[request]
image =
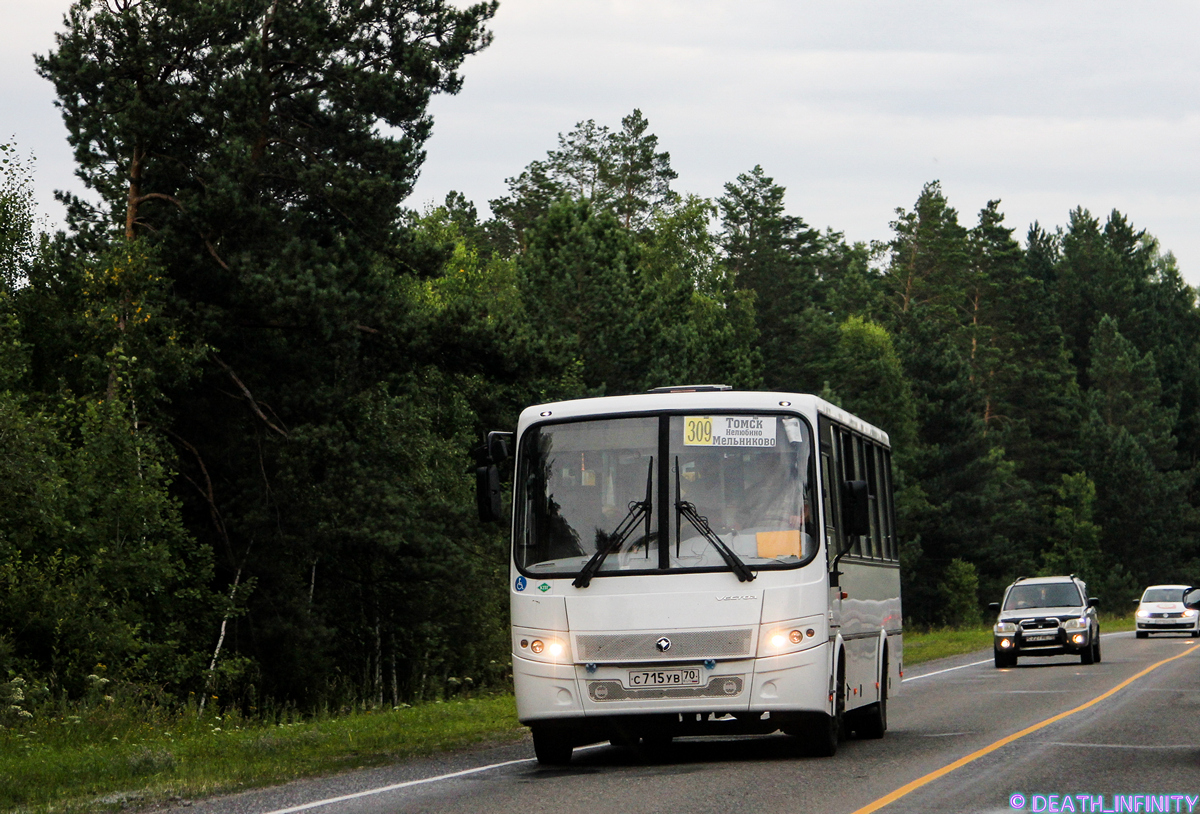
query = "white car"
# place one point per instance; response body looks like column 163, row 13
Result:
column 1162, row 610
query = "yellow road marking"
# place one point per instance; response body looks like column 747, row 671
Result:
column 963, row 761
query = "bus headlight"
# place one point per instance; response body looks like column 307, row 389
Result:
column 788, row 637
column 541, row 645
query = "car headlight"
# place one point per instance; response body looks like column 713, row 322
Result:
column 1004, row 627
column 1190, row 614
column 1075, row 624
column 1142, row 613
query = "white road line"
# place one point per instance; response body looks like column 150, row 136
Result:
column 409, row 783
column 947, row 670
column 395, row 786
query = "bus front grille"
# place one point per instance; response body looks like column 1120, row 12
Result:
column 717, row 687
column 686, row 644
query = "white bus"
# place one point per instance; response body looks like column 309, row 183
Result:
column 697, row 560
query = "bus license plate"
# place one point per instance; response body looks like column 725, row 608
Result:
column 683, row 677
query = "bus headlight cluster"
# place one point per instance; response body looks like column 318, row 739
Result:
column 541, row 645
column 788, row 637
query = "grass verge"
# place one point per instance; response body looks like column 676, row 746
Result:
column 104, row 762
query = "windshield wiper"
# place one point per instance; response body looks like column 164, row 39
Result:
column 685, row 509
column 639, row 511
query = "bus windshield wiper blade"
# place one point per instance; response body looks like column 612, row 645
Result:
column 639, row 511
column 685, row 509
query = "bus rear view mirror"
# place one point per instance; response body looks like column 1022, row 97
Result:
column 497, row 446
column 487, row 493
column 858, row 509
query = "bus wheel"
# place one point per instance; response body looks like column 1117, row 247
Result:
column 872, row 722
column 551, row 747
column 821, row 737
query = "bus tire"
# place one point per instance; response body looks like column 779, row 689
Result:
column 551, row 746
column 872, row 721
column 817, row 737
column 821, row 737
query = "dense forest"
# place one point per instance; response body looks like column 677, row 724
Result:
column 239, row 392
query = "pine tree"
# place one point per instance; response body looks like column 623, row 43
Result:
column 263, row 150
column 1129, row 451
column 770, row 253
column 622, row 172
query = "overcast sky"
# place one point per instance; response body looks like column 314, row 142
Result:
column 852, row 106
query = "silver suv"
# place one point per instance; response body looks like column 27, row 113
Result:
column 1046, row 616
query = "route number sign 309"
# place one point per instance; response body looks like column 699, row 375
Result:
column 697, row 430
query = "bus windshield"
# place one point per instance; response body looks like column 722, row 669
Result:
column 720, row 492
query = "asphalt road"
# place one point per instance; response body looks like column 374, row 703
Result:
column 1050, row 735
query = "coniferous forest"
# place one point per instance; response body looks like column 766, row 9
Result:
column 239, row 391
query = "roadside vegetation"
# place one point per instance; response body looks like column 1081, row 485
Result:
column 109, row 751
column 113, row 753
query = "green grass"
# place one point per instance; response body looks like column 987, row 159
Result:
column 921, row 646
column 107, row 757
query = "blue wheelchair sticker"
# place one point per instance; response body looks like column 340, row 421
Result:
column 521, row 583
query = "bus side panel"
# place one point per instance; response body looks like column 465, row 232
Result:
column 872, row 605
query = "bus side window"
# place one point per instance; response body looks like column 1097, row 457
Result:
column 830, row 488
column 829, row 491
column 875, row 488
column 891, row 550
column 852, row 469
